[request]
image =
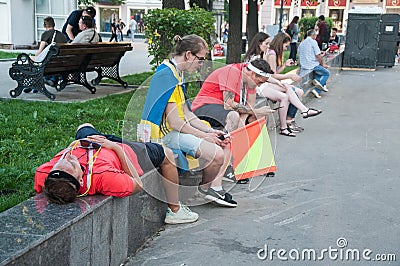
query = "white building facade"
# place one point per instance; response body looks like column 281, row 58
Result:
column 22, row 20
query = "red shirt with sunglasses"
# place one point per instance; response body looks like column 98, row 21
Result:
column 107, row 178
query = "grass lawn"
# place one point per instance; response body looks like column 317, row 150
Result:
column 7, row 55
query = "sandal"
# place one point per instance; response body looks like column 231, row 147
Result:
column 307, row 113
column 289, row 134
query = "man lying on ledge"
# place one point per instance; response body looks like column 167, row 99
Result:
column 96, row 163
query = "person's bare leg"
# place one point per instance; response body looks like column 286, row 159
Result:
column 170, row 180
column 212, row 158
column 274, row 93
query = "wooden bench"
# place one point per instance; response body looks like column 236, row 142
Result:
column 71, row 62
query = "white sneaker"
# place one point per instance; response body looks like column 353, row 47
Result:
column 316, row 94
column 325, row 89
column 317, row 84
column 183, row 215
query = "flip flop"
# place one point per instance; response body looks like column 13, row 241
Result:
column 307, row 114
column 290, row 134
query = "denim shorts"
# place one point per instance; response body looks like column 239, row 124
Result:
column 187, row 143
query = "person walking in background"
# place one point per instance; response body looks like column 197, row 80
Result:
column 71, row 26
column 133, row 28
column 167, row 111
column 311, row 58
column 120, row 26
column 113, row 31
column 293, row 31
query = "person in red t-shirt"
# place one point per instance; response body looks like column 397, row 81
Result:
column 96, row 163
column 228, row 95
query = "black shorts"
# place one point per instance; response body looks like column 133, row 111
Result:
column 215, row 114
column 150, row 155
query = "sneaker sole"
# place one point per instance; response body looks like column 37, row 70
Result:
column 228, row 179
column 167, row 221
column 318, row 85
column 220, row 201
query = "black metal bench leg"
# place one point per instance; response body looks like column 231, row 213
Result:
column 109, row 72
column 77, row 78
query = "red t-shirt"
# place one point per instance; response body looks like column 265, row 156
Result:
column 227, row 78
column 108, row 178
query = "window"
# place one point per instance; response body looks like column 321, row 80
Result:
column 337, row 17
column 308, row 13
column 106, row 17
column 285, row 17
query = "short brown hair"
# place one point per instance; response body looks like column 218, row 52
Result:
column 88, row 21
column 49, row 22
column 60, row 190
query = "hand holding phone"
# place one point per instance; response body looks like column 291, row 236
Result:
column 225, row 136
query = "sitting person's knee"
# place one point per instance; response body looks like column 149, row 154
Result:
column 169, row 157
column 233, row 116
column 219, row 156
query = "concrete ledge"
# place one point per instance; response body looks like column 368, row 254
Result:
column 94, row 230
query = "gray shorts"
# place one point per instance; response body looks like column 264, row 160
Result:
column 215, row 114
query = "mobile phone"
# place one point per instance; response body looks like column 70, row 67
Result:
column 277, row 108
column 223, row 137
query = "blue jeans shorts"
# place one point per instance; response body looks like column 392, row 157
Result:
column 187, row 143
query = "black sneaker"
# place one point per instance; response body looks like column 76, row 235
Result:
column 220, row 197
column 229, row 174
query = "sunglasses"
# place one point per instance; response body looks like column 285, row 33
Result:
column 89, row 144
column 200, row 58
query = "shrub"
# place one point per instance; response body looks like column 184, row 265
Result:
column 163, row 24
column 307, row 23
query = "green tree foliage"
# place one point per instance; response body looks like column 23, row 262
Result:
column 91, row 2
column 306, row 23
column 163, row 24
column 179, row 4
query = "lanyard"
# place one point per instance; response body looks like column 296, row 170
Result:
column 91, row 160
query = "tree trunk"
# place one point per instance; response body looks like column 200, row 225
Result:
column 179, row 4
column 235, row 32
column 252, row 20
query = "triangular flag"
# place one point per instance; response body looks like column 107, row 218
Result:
column 251, row 150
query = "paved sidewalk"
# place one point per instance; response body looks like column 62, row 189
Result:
column 135, row 61
column 337, row 180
